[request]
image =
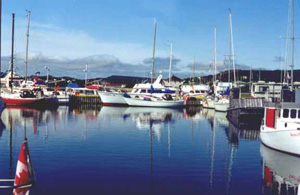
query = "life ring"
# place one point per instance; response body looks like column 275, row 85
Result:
column 76, row 93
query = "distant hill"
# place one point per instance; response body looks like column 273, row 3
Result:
column 242, row 75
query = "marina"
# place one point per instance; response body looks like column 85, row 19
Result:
column 86, row 108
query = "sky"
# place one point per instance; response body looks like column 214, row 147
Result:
column 115, row 37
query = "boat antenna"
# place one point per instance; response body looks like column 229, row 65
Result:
column 231, row 47
column 12, row 52
column 170, row 67
column 27, row 43
column 153, row 54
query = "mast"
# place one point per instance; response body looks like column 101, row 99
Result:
column 85, row 73
column 27, row 43
column 193, row 79
column 250, row 78
column 293, row 43
column 231, row 47
column 153, row 54
column 12, row 51
column 170, row 67
column 215, row 54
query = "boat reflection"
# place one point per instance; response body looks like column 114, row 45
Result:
column 281, row 171
column 153, row 118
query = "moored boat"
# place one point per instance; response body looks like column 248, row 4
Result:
column 17, row 99
column 153, row 102
column 112, row 99
column 222, row 105
column 280, row 127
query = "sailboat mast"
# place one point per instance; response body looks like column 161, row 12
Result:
column 293, row 43
column 27, row 43
column 153, row 54
column 12, row 52
column 194, row 71
column 170, row 67
column 215, row 54
column 231, row 47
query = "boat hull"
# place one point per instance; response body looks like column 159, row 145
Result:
column 287, row 141
column 112, row 99
column 221, row 107
column 160, row 104
column 208, row 103
column 23, row 101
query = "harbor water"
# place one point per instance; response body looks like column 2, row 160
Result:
column 125, row 150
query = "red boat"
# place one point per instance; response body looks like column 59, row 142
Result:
column 18, row 99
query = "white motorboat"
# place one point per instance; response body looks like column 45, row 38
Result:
column 138, row 91
column 153, row 102
column 112, row 99
column 280, row 127
column 222, row 105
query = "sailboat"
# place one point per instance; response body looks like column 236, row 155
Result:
column 25, row 96
column 222, row 104
column 158, row 97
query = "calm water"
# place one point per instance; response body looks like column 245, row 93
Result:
column 142, row 151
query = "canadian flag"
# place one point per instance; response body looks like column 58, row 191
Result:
column 23, row 172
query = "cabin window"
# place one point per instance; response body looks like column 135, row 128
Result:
column 293, row 113
column 263, row 89
column 90, row 92
column 286, row 113
column 197, row 91
column 143, row 91
column 298, row 113
column 191, row 91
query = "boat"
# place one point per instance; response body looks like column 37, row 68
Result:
column 139, row 90
column 112, row 99
column 280, row 127
column 222, row 105
column 153, row 102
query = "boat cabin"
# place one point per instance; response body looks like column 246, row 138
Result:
column 85, row 92
column 285, row 116
column 221, row 87
column 261, row 89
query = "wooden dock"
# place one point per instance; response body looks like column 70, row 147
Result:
column 87, row 99
column 246, row 113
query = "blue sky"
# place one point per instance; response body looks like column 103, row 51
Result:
column 116, row 36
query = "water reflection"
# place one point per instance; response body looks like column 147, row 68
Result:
column 138, row 145
column 281, row 172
